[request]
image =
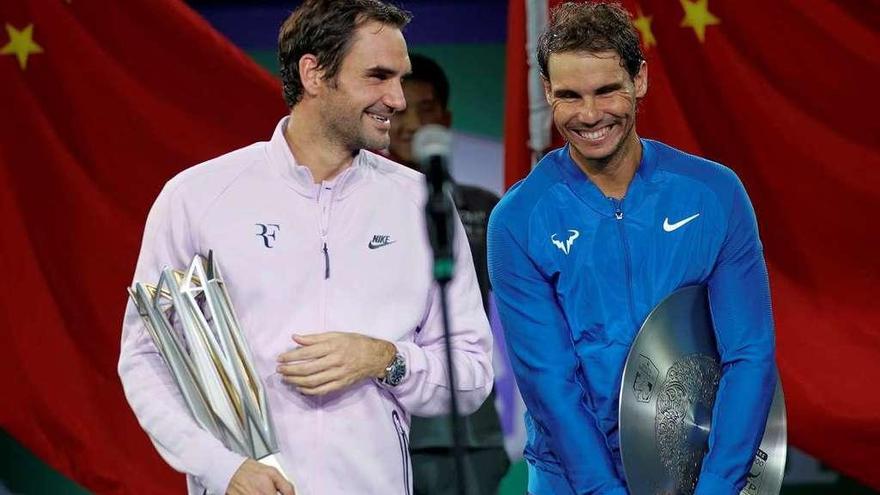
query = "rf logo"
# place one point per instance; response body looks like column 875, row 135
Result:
column 268, row 231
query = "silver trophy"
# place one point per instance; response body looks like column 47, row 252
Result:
column 191, row 320
column 666, row 398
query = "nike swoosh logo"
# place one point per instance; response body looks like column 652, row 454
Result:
column 669, row 227
column 380, row 244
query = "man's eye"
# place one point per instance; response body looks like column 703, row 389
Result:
column 608, row 91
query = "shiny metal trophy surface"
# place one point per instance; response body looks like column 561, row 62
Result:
column 666, row 398
column 193, row 325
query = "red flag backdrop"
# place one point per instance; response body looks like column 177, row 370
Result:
column 782, row 92
column 100, row 103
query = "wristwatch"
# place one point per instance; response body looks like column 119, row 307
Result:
column 395, row 371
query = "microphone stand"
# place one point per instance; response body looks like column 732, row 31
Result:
column 440, row 211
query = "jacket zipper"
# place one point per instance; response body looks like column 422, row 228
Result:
column 324, row 200
column 326, row 261
column 325, row 203
column 627, row 263
column 404, row 448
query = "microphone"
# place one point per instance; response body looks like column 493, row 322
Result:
column 432, row 150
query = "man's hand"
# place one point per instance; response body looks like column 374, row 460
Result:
column 253, row 478
column 327, row 362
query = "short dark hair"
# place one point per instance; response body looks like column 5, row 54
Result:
column 325, row 29
column 591, row 27
column 426, row 70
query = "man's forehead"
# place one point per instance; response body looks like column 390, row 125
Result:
column 590, row 65
column 608, row 58
column 377, row 45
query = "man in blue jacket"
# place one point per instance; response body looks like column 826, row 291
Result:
column 599, row 233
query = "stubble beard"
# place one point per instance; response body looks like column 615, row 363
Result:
column 348, row 131
column 339, row 131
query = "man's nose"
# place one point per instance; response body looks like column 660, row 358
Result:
column 394, row 97
column 589, row 112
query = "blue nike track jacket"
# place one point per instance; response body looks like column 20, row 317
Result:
column 576, row 273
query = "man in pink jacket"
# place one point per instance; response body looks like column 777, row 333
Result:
column 324, row 251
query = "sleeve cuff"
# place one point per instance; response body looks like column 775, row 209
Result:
column 414, row 357
column 712, row 484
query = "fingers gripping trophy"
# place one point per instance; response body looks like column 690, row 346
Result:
column 190, row 319
column 667, row 394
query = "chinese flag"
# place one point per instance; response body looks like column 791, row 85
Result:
column 782, row 92
column 100, row 103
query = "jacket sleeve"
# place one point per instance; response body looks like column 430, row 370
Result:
column 545, row 365
column 424, row 390
column 149, row 386
column 739, row 296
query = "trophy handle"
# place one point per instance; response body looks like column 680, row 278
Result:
column 272, row 460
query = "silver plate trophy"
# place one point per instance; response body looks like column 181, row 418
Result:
column 666, row 398
column 191, row 320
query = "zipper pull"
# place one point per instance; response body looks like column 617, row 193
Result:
column 326, row 262
column 618, row 212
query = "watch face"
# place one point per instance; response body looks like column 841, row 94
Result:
column 396, row 370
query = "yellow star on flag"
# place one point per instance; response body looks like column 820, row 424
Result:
column 643, row 24
column 21, row 44
column 697, row 16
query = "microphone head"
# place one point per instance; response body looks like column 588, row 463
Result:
column 431, row 140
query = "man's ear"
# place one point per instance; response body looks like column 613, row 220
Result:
column 546, row 84
column 641, row 80
column 310, row 75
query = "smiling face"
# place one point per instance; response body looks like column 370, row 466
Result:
column 357, row 105
column 593, row 100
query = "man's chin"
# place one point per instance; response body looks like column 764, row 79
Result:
column 376, row 144
column 596, row 152
column 598, row 158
